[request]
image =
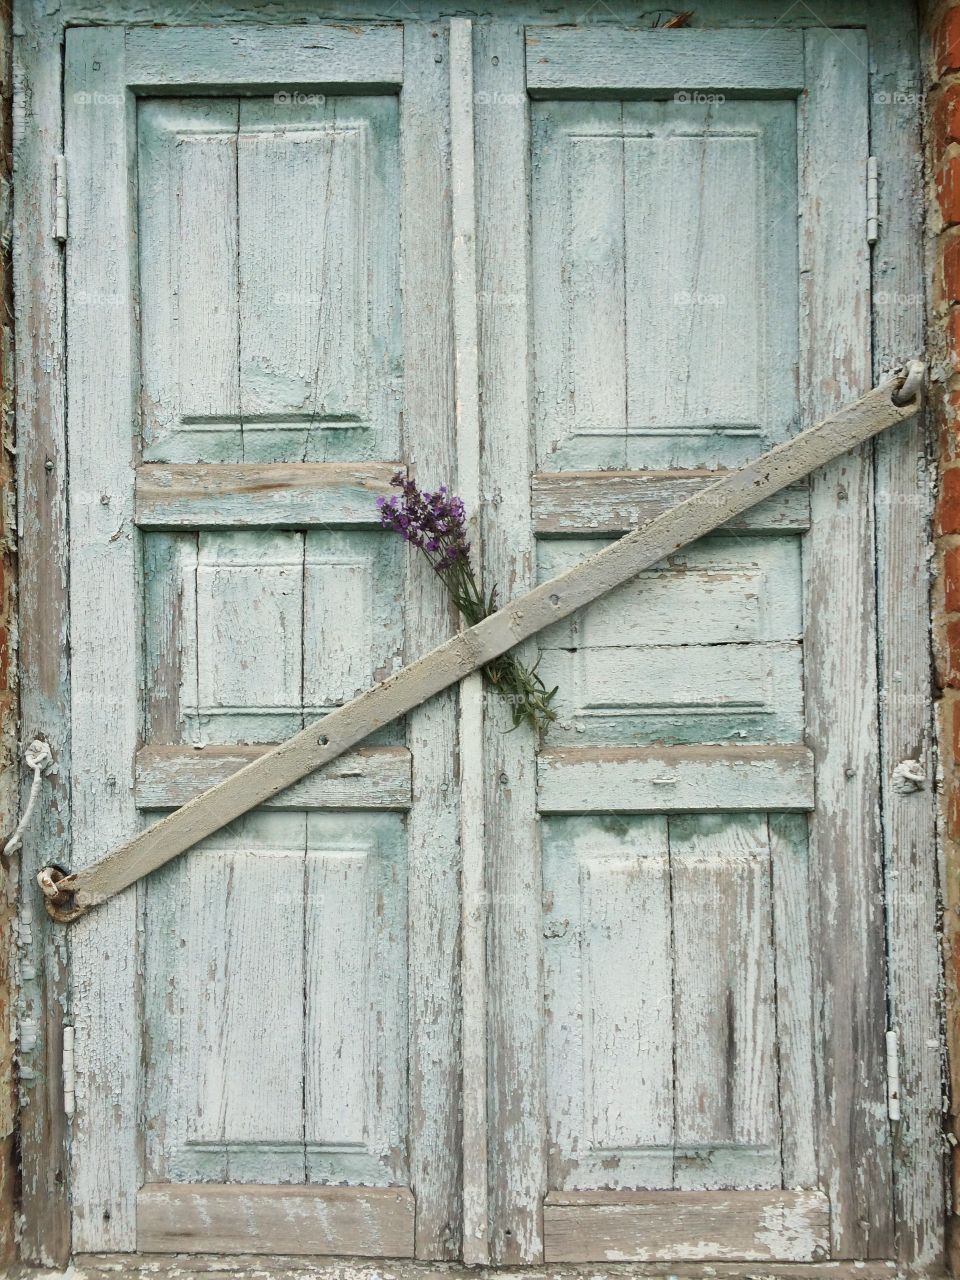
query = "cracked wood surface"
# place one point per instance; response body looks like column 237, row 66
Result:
column 348, row 725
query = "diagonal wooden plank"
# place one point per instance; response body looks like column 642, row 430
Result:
column 68, row 896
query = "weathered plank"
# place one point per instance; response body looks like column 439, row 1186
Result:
column 265, row 495
column 793, row 944
column 433, row 825
column 187, row 250
column 608, row 502
column 42, row 636
column 110, row 1266
column 451, row 661
column 724, row 1001
column 679, row 693
column 516, row 1134
column 368, row 778
column 739, row 588
column 619, row 1226
column 840, row 659
column 473, row 929
column 103, row 610
column 592, row 61
column 608, row 1002
column 902, row 513
column 237, row 1218
column 674, row 779
column 615, row 324
column 327, row 56
column 321, row 294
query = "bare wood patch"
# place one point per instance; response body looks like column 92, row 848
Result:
column 237, row 1218
column 260, row 495
column 368, row 778
column 622, row 1226
column 599, row 502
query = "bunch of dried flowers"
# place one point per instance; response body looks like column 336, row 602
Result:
column 436, row 524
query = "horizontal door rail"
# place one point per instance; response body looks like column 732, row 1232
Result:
column 70, row 895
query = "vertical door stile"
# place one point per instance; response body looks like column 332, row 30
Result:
column 44, row 692
column 903, row 511
column 433, row 823
column 472, row 847
column 840, row 657
column 103, row 609
column 517, row 1102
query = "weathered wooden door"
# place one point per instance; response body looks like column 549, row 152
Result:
column 279, row 1009
column 675, row 1016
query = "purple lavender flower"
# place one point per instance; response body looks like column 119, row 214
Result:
column 436, row 523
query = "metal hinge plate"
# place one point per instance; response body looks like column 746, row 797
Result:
column 893, row 1075
column 873, row 200
column 60, row 199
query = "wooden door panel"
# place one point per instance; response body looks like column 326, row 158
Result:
column 663, row 969
column 665, row 281
column 269, row 278
column 304, row 916
column 250, row 633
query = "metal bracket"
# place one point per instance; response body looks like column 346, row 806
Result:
column 58, row 897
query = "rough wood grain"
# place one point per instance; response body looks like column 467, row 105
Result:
column 608, row 1002
column 187, row 244
column 617, row 1226
column 368, row 778
column 318, row 56
column 517, row 1130
column 902, row 515
column 178, row 1267
column 600, row 502
column 585, row 62
column 268, row 495
column 674, row 779
column 433, row 826
column 105, row 714
column 473, row 927
column 198, row 1218
column 793, row 945
column 451, row 661
column 724, row 1001
column 43, row 631
column 840, row 661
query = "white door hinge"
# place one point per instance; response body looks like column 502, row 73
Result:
column 893, row 1076
column 69, row 1074
column 60, row 199
column 873, row 200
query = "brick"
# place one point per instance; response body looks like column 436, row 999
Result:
column 951, row 580
column 947, row 185
column 948, row 503
column 945, row 117
column 952, row 812
column 949, row 249
column 951, row 655
column 947, row 42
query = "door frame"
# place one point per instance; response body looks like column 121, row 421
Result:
column 901, row 536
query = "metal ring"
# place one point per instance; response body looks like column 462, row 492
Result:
column 58, row 896
column 911, row 387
